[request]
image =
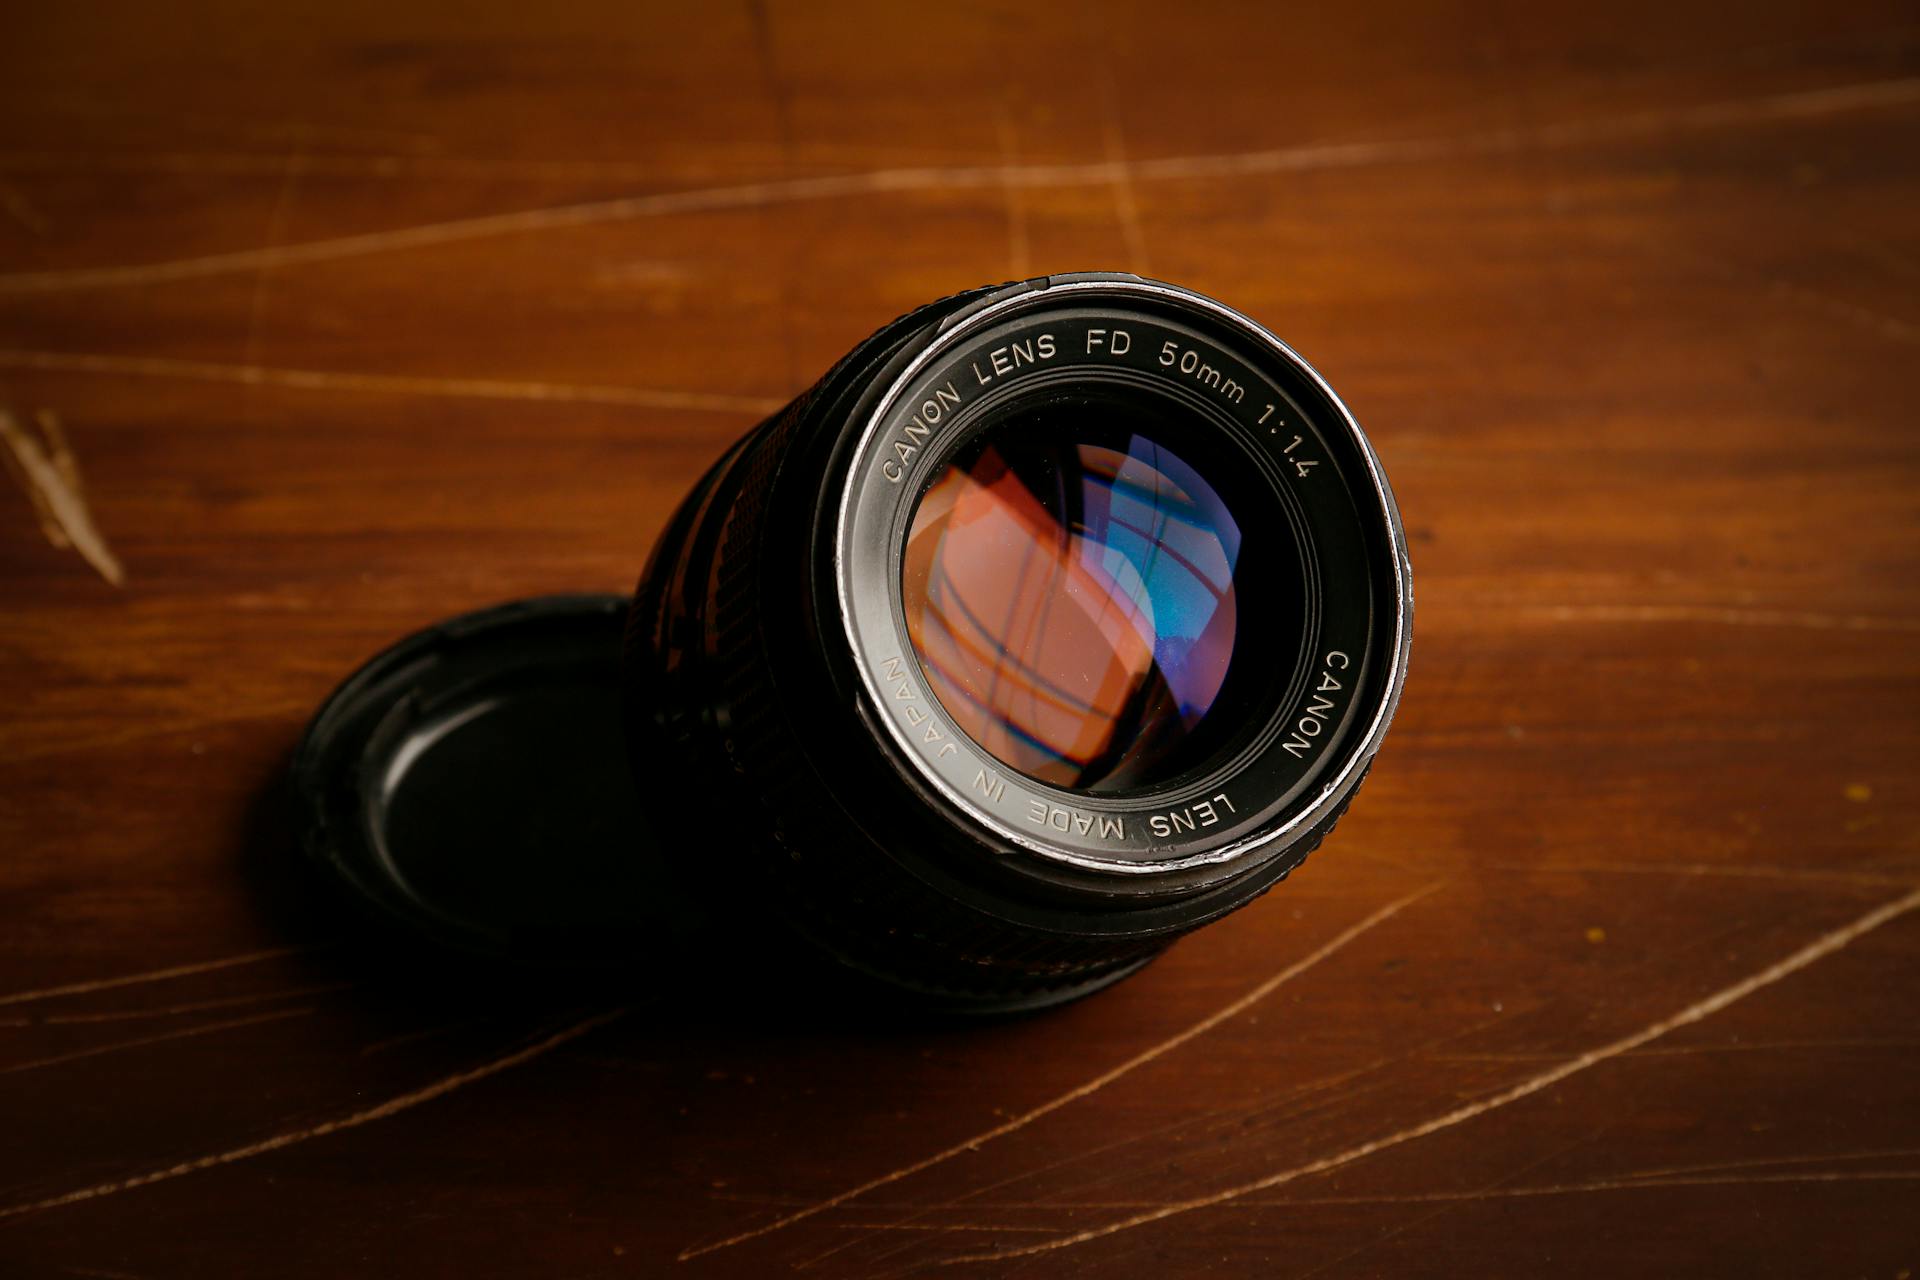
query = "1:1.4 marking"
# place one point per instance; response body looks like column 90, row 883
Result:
column 1300, row 465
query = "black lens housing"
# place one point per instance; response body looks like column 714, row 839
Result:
column 809, row 773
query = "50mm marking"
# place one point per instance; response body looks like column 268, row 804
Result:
column 1189, row 362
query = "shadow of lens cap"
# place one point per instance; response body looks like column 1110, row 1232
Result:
column 472, row 784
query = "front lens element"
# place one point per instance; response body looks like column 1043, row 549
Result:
column 1075, row 591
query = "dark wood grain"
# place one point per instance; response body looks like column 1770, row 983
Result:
column 353, row 316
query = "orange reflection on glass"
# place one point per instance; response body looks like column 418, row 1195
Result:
column 1038, row 629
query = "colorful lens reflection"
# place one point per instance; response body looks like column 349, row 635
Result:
column 1074, row 604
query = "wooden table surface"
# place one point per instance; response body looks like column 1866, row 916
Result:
column 319, row 322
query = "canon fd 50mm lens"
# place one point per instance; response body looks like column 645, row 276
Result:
column 1055, row 621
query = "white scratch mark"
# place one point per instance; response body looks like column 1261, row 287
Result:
column 1605, row 1184
column 1693, row 1013
column 751, row 195
column 1134, row 1063
column 417, row 163
column 941, row 1227
column 1770, row 1162
column 1126, row 203
column 416, row 167
column 1809, row 104
column 1752, row 871
column 1624, row 1182
column 1803, row 296
column 263, row 281
column 1732, row 617
column 1489, row 1193
column 1019, row 253
column 1877, row 322
column 1694, row 1050
column 1198, row 1128
column 421, row 1033
column 184, row 1033
column 51, row 476
column 254, row 375
column 1194, row 1128
column 198, row 1006
column 1806, row 104
column 159, row 975
column 352, row 1120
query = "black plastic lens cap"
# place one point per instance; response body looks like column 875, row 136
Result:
column 472, row 784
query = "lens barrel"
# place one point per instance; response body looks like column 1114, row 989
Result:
column 1057, row 620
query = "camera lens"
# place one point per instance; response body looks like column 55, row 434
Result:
column 1055, row 621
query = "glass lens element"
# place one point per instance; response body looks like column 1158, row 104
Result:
column 1071, row 590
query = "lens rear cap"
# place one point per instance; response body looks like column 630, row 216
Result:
column 471, row 784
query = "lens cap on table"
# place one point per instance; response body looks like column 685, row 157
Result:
column 472, row 784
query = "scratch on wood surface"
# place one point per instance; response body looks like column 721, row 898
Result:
column 1601, row 1184
column 1876, row 322
column 1628, row 1183
column 1809, row 104
column 183, row 1033
column 422, row 163
column 1623, row 1182
column 1126, row 202
column 160, row 975
column 1203, row 1124
column 1441, row 1198
column 1021, row 1121
column 1746, row 870
column 939, row 1227
column 1372, row 1241
column 263, row 280
column 414, row 167
column 917, row 1214
column 1732, row 617
column 1692, row 1050
column 198, row 1006
column 50, row 526
column 392, row 1106
column 766, row 52
column 1806, row 104
column 1019, row 254
column 48, row 471
column 422, row 1033
column 253, row 375
column 1771, row 1162
column 1314, row 1093
column 1821, row 947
